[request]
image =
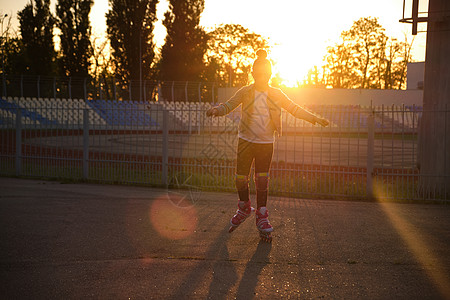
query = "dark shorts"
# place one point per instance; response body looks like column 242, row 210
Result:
column 248, row 152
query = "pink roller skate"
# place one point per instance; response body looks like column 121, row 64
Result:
column 263, row 225
column 244, row 211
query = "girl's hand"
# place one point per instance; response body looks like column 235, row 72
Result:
column 212, row 112
column 322, row 122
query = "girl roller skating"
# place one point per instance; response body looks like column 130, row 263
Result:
column 260, row 119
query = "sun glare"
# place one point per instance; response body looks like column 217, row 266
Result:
column 292, row 63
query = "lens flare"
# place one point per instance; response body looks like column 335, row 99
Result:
column 416, row 243
column 172, row 221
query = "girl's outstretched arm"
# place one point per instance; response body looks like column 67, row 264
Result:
column 298, row 112
column 230, row 105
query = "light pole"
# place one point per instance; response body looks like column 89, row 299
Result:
column 140, row 65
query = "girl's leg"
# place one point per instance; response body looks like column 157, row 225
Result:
column 243, row 164
column 263, row 160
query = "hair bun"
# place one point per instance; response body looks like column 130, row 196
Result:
column 261, row 53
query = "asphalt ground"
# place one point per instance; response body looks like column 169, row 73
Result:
column 73, row 241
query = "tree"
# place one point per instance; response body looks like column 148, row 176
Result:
column 366, row 58
column 398, row 60
column 340, row 67
column 367, row 39
column 185, row 44
column 130, row 25
column 315, row 78
column 391, row 63
column 101, row 62
column 73, row 22
column 11, row 48
column 36, row 28
column 102, row 67
column 230, row 47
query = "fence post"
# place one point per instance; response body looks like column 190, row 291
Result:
column 129, row 90
column 85, row 143
column 115, row 89
column 85, row 89
column 3, row 85
column 199, row 115
column 21, row 86
column 145, row 91
column 18, row 142
column 160, row 98
column 100, row 91
column 370, row 153
column 70, row 87
column 54, row 87
column 165, row 149
column 38, row 86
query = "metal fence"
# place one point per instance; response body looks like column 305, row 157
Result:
column 365, row 152
column 106, row 88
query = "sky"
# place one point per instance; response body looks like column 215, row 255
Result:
column 300, row 30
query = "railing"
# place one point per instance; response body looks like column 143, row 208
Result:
column 106, row 88
column 366, row 152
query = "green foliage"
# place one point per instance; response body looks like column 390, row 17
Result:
column 13, row 58
column 340, row 67
column 185, row 43
column 36, row 28
column 12, row 53
column 130, row 27
column 367, row 41
column 367, row 58
column 73, row 21
column 230, row 50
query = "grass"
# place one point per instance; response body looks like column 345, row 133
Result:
column 296, row 184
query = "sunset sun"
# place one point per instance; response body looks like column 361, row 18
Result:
column 291, row 64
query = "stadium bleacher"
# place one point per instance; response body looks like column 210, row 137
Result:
column 122, row 113
column 28, row 115
column 187, row 115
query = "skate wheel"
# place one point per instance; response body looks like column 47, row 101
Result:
column 265, row 237
column 231, row 229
